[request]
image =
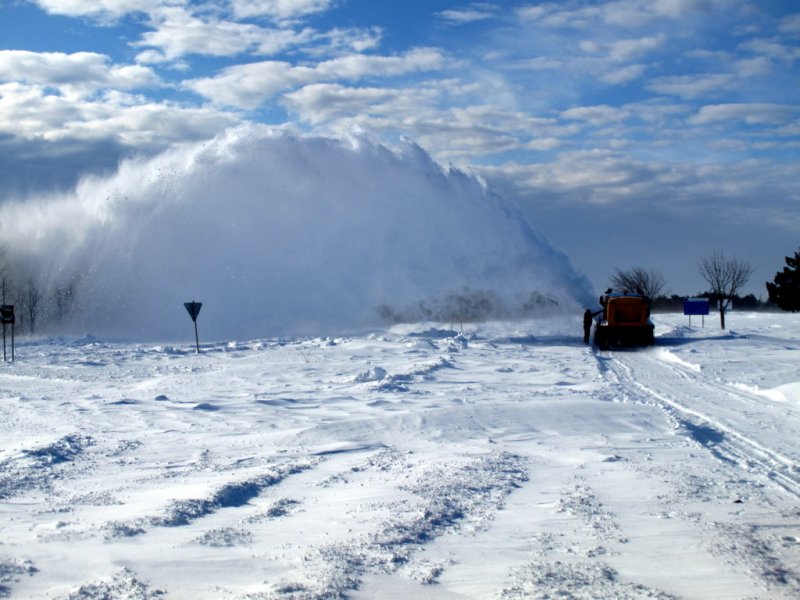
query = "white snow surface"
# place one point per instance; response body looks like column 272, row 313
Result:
column 507, row 461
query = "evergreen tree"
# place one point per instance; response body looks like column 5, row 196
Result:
column 785, row 289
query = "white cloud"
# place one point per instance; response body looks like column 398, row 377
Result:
column 692, row 86
column 750, row 114
column 31, row 112
column 177, row 32
column 78, row 73
column 773, row 49
column 279, row 9
column 321, row 102
column 790, row 24
column 345, row 39
column 597, row 116
column 427, row 114
column 624, row 74
column 612, row 177
column 630, row 14
column 474, row 12
column 247, row 86
column 103, row 8
column 356, row 66
column 544, row 144
column 554, row 15
column 623, row 50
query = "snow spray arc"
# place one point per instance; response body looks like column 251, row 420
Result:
column 294, row 234
column 193, row 308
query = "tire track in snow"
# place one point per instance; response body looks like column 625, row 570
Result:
column 725, row 442
column 751, row 542
column 231, row 495
column 461, row 492
column 382, row 381
column 37, row 468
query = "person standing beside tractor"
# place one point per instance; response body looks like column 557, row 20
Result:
column 588, row 317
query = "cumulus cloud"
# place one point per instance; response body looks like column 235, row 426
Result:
column 178, row 32
column 477, row 11
column 606, row 177
column 624, row 74
column 451, row 133
column 773, row 49
column 751, row 114
column 356, row 66
column 690, row 87
column 345, row 39
column 50, row 139
column 31, row 112
column 790, row 25
column 279, row 9
column 77, row 72
column 107, row 8
column 321, row 102
column 630, row 14
column 595, row 115
column 623, row 50
column 249, row 85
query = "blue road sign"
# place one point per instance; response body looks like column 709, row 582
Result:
column 695, row 306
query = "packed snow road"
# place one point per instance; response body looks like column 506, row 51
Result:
column 508, row 462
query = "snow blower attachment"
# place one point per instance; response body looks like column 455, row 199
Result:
column 625, row 321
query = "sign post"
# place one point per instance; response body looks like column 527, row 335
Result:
column 193, row 308
column 696, row 306
column 7, row 318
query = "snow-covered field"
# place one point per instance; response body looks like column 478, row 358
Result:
column 510, row 461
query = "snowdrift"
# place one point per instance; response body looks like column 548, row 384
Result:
column 279, row 233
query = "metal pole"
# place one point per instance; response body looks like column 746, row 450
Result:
column 196, row 338
column 4, row 342
column 12, row 342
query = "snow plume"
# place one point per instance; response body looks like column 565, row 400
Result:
column 282, row 234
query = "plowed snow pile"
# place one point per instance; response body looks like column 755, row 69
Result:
column 507, row 461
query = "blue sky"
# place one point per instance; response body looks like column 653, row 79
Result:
column 631, row 132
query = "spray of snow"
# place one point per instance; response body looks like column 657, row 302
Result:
column 279, row 233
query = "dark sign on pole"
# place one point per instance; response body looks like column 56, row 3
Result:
column 193, row 308
column 7, row 318
column 695, row 306
column 7, row 314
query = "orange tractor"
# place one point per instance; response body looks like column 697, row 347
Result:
column 625, row 321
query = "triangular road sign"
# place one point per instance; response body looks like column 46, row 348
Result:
column 193, row 308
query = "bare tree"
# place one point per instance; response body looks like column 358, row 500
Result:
column 64, row 298
column 5, row 275
column 649, row 283
column 726, row 277
column 33, row 297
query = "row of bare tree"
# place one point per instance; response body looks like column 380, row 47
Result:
column 33, row 303
column 726, row 277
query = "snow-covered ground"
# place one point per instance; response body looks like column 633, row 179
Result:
column 511, row 461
